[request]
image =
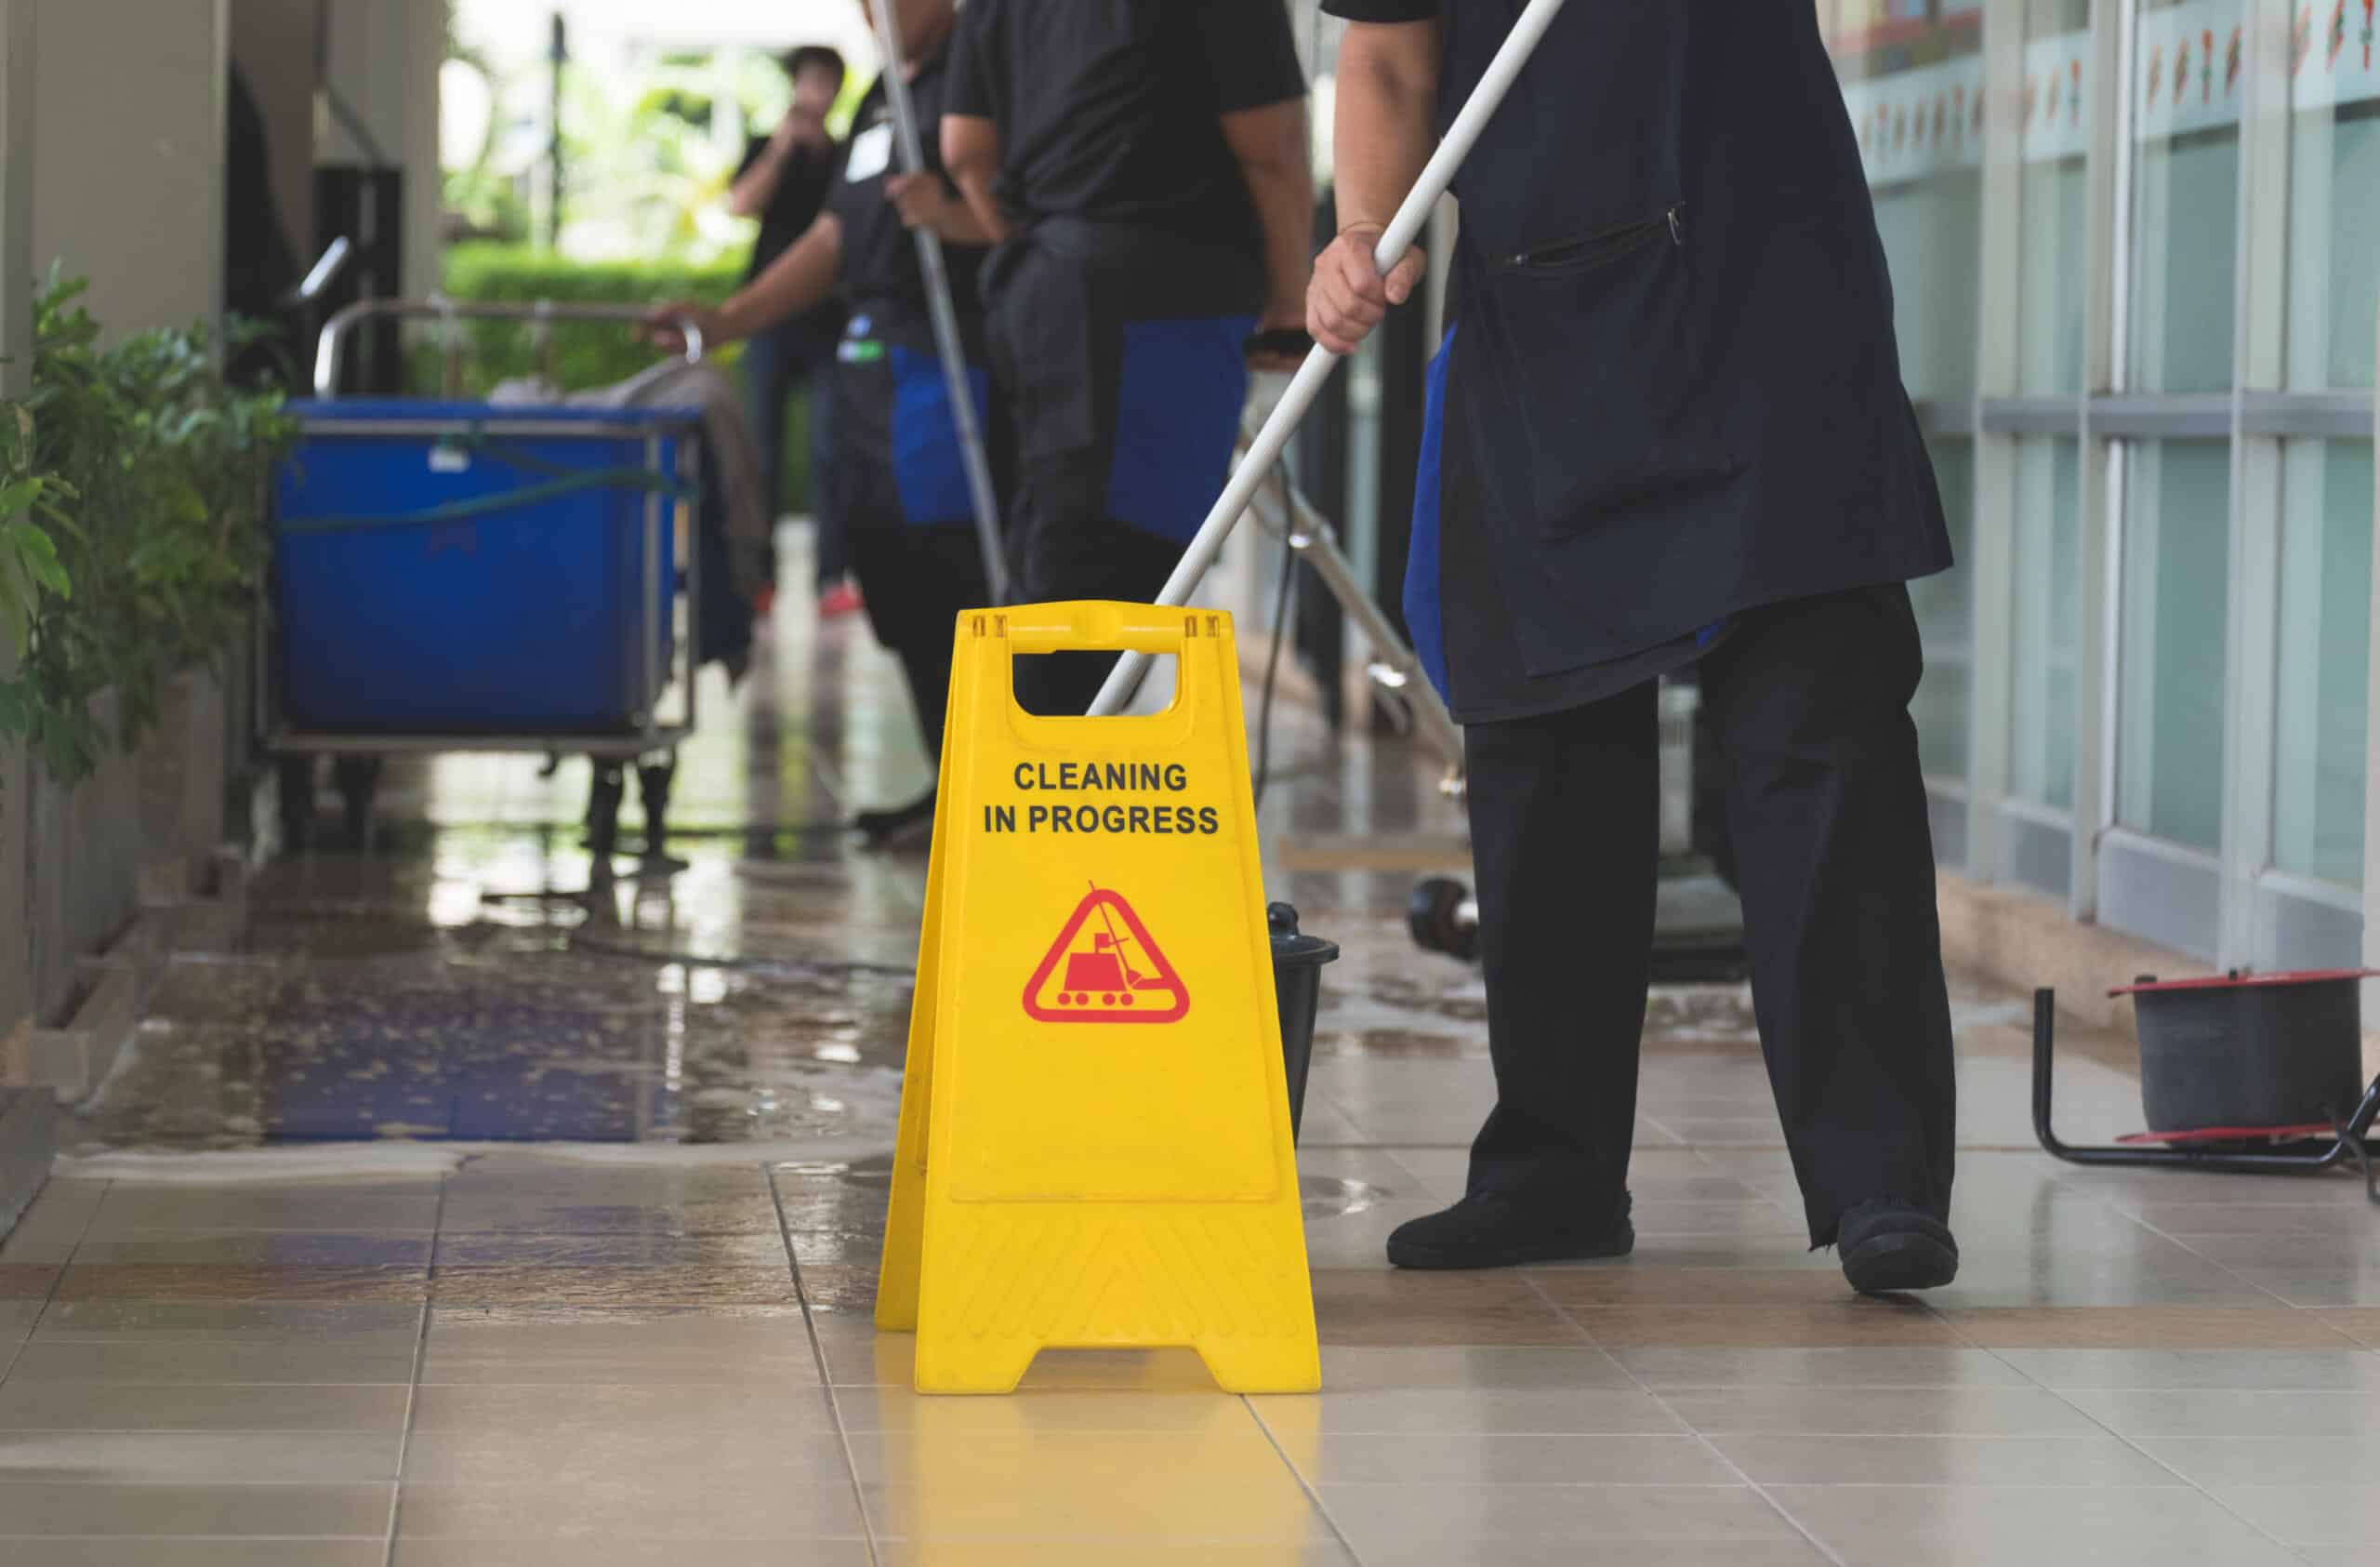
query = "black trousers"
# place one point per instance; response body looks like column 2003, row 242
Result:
column 915, row 580
column 1059, row 300
column 1809, row 702
column 1064, row 546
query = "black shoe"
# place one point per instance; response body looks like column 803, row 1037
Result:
column 1888, row 1246
column 879, row 827
column 1501, row 1229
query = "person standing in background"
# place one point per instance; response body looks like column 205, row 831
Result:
column 900, row 489
column 783, row 181
column 1145, row 164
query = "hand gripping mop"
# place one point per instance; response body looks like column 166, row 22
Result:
column 1265, row 450
column 946, row 315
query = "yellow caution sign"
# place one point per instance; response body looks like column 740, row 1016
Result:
column 1094, row 1147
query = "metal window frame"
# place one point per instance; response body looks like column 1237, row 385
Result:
column 2372, row 745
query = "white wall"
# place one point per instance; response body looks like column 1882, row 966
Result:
column 128, row 154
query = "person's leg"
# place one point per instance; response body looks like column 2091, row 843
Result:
column 764, row 395
column 834, row 560
column 1565, row 830
column 1834, row 858
column 916, row 581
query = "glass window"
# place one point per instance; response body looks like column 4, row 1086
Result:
column 2177, row 568
column 2333, row 201
column 2049, row 530
column 1912, row 79
column 2326, row 654
column 1944, row 620
column 1913, row 85
column 2185, row 194
column 2053, row 229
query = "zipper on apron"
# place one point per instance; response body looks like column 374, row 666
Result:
column 1608, row 245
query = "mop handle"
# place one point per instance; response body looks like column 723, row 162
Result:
column 1265, row 450
column 947, row 344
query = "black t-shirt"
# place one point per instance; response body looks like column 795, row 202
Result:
column 880, row 272
column 1109, row 110
column 801, row 195
column 794, row 205
column 1382, row 10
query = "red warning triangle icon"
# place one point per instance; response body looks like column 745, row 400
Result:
column 1104, row 968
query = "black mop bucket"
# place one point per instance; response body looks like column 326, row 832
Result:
column 1296, row 990
column 2249, row 1057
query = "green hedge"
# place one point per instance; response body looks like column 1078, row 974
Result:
column 585, row 355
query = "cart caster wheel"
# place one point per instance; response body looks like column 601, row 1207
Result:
column 603, row 815
column 359, row 785
column 654, row 781
column 296, row 790
column 1434, row 916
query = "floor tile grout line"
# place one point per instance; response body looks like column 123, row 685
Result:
column 2217, row 1262
column 2060, row 1394
column 50, row 1298
column 412, row 1385
column 825, row 1372
column 1312, row 1492
column 1708, row 1445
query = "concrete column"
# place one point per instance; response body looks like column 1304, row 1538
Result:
column 128, row 172
column 383, row 60
column 274, row 44
column 16, row 373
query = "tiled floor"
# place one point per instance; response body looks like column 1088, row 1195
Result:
column 226, row 1338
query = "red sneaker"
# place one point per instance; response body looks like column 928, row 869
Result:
column 838, row 601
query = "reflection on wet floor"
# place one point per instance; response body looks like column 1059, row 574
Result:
column 525, row 1228
column 461, row 984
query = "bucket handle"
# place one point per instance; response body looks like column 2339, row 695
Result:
column 1094, row 627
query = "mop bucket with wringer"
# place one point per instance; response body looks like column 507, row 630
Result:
column 2240, row 1074
column 1297, row 988
column 2248, row 1057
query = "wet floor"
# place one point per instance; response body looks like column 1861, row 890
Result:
column 451, row 1217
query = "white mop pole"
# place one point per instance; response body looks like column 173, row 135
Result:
column 947, row 342
column 1266, row 449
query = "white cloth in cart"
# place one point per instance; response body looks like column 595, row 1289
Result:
column 734, row 460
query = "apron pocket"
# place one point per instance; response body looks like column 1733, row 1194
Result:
column 1594, row 346
column 929, row 462
column 1177, row 419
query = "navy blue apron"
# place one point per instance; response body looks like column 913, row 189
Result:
column 1121, row 355
column 1677, row 359
column 901, row 480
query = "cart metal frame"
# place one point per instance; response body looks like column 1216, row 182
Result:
column 2305, row 1157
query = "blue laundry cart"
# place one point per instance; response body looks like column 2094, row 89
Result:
column 454, row 575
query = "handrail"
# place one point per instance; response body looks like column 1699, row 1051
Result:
column 332, row 350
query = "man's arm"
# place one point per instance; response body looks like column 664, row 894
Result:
column 795, row 282
column 1276, row 159
column 1386, row 132
column 971, row 153
column 925, row 202
column 757, row 182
